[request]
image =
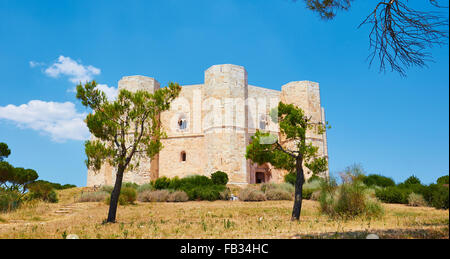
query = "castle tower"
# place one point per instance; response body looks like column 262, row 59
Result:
column 147, row 170
column 225, row 119
column 306, row 95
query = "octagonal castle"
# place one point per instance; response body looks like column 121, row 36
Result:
column 210, row 125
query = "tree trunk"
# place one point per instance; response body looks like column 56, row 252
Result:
column 115, row 196
column 300, row 180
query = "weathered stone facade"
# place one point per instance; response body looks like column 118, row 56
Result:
column 210, row 125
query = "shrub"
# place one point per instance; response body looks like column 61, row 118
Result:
column 251, row 194
column 175, row 183
column 290, row 178
column 278, row 194
column 162, row 183
column 178, row 196
column 393, row 195
column 315, row 195
column 437, row 196
column 127, row 196
column 348, row 201
column 219, row 178
column 44, row 191
column 314, row 178
column 154, row 196
column 378, row 180
column 107, row 188
column 99, row 196
column 9, row 201
column 280, row 186
column 225, row 195
column 145, row 187
column 130, row 185
column 416, row 200
column 442, row 180
column 412, row 180
column 209, row 193
column 307, row 193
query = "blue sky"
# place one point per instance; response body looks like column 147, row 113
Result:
column 391, row 125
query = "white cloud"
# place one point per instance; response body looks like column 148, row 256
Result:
column 60, row 121
column 110, row 92
column 36, row 64
column 73, row 70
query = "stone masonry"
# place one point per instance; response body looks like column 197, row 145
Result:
column 210, row 125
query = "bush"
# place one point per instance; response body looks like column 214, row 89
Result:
column 378, row 180
column 438, row 196
column 107, row 188
column 348, row 201
column 280, row 186
column 145, row 187
column 251, row 194
column 315, row 195
column 278, row 194
column 162, row 183
column 416, row 200
column 127, row 196
column 219, row 178
column 393, row 195
column 225, row 195
column 42, row 190
column 412, row 180
column 178, row 196
column 442, row 180
column 99, row 196
column 130, row 185
column 290, row 178
column 154, row 196
column 9, row 201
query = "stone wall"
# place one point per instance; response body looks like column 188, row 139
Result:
column 220, row 116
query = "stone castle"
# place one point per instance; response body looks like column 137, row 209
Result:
column 210, row 125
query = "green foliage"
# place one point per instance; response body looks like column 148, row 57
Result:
column 437, row 196
column 162, row 183
column 9, row 200
column 290, row 178
column 57, row 186
column 130, row 185
column 442, row 180
column 44, row 191
column 412, row 180
column 107, row 188
column 378, row 180
column 349, row 200
column 219, row 178
column 393, row 194
column 145, row 187
column 4, row 151
column 127, row 196
column 197, row 187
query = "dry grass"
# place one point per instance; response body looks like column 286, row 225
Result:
column 269, row 219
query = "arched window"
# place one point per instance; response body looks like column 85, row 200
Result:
column 263, row 122
column 182, row 123
column 183, row 156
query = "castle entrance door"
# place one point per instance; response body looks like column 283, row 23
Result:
column 260, row 177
